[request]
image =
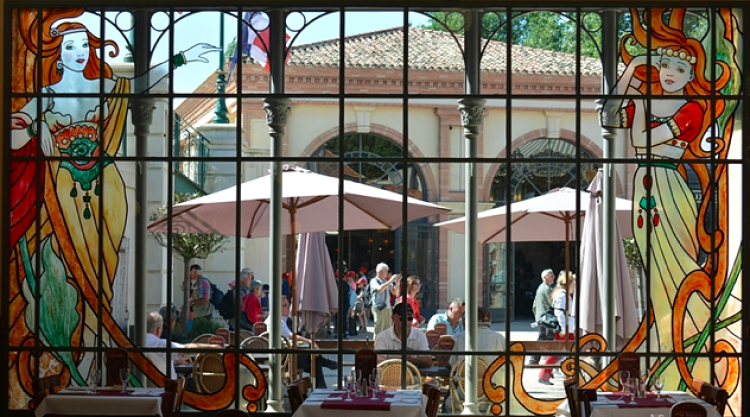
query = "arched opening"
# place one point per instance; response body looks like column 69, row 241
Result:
column 537, row 167
column 363, row 162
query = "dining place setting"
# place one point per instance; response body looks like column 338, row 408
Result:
column 363, row 395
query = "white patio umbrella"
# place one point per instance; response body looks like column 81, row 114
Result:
column 548, row 217
column 591, row 275
column 310, row 204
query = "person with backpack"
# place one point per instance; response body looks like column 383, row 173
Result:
column 228, row 308
column 200, row 293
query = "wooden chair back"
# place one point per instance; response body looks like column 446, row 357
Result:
column 114, row 360
column 294, row 392
column 209, row 372
column 47, row 385
column 433, row 399
column 390, row 375
column 446, row 344
column 569, row 384
column 260, row 327
column 432, row 338
column 177, row 388
column 687, row 409
column 365, row 360
column 224, row 332
column 716, row 396
column 580, row 406
column 631, row 362
column 231, row 413
column 441, row 328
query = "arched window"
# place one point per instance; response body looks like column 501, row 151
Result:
column 556, row 168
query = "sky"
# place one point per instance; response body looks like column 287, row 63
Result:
column 203, row 27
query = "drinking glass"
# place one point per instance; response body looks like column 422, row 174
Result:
column 374, row 384
column 658, row 385
column 124, row 377
column 360, row 383
column 93, row 379
column 349, row 382
column 624, row 377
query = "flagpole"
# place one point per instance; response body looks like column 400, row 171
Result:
column 221, row 110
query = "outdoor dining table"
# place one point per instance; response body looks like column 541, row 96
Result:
column 334, row 403
column 612, row 404
column 78, row 401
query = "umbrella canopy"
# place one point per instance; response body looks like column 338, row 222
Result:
column 317, row 290
column 311, row 204
column 592, row 273
column 548, row 217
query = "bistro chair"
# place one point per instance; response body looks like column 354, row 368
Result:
column 231, row 413
column 687, row 409
column 209, row 373
column 294, row 392
column 580, row 403
column 202, row 338
column 441, row 328
column 47, row 385
column 365, row 360
column 177, row 388
column 260, row 327
column 716, row 396
column 569, row 384
column 114, row 360
column 432, row 338
column 433, row 399
column 445, row 344
column 390, row 375
column 224, row 332
column 217, row 340
column 458, row 387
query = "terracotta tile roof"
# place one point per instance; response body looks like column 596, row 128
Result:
column 434, row 50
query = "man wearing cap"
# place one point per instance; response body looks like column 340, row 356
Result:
column 390, row 338
column 453, row 317
column 200, row 293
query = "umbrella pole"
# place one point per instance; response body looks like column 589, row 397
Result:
column 293, row 359
column 567, row 268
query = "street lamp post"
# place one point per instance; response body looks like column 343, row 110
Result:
column 221, row 81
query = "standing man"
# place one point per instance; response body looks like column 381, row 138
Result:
column 390, row 338
column 200, row 293
column 453, row 317
column 381, row 297
column 542, row 302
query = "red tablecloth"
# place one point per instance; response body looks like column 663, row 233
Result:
column 359, row 403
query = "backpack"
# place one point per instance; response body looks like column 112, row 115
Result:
column 227, row 305
column 217, row 295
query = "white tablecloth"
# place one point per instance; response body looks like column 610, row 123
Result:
column 75, row 401
column 603, row 407
column 416, row 408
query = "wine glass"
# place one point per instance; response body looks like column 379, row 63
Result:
column 624, row 377
column 658, row 385
column 374, row 384
column 349, row 382
column 93, row 379
column 124, row 377
column 360, row 383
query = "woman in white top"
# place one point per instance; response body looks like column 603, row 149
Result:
column 562, row 302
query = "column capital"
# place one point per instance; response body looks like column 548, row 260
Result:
column 277, row 110
column 472, row 112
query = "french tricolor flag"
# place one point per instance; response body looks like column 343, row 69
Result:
column 254, row 44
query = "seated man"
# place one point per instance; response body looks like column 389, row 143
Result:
column 304, row 361
column 390, row 338
column 487, row 339
column 154, row 328
column 453, row 317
